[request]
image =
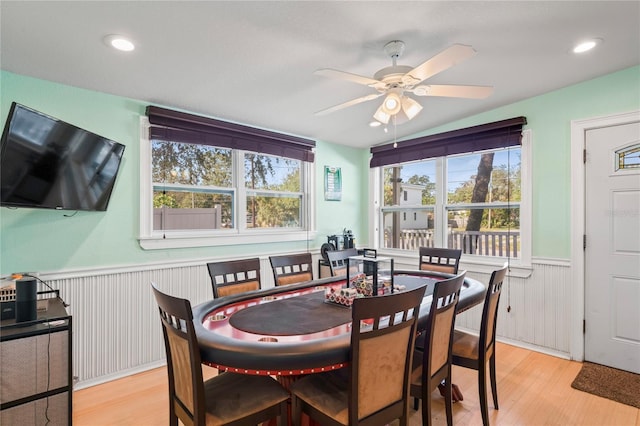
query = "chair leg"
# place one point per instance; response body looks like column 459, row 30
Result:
column 404, row 420
column 426, row 404
column 173, row 418
column 448, row 400
column 283, row 418
column 296, row 410
column 492, row 374
column 482, row 387
column 416, row 404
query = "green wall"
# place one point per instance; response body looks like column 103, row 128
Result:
column 47, row 241
column 33, row 240
column 351, row 212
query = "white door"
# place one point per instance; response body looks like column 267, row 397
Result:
column 612, row 254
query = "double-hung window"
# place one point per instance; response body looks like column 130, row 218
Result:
column 466, row 189
column 216, row 183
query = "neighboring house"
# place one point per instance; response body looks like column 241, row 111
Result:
column 411, row 195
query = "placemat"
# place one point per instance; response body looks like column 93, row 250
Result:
column 304, row 314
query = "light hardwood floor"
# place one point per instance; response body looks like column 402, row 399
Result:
column 533, row 389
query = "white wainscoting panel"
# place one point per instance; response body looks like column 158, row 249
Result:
column 540, row 309
column 116, row 326
column 117, row 332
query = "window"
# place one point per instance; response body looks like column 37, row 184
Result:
column 628, row 158
column 483, row 202
column 192, row 186
column 475, row 201
column 274, row 196
column 208, row 189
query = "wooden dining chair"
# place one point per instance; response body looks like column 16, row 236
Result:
column 291, row 268
column 234, row 276
column 472, row 351
column 338, row 260
column 432, row 365
column 228, row 398
column 374, row 388
column 439, row 259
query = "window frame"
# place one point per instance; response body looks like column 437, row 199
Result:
column 150, row 239
column 441, row 209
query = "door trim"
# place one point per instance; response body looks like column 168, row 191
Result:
column 579, row 130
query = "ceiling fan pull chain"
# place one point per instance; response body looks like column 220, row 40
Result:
column 395, row 132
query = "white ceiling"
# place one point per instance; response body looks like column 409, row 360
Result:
column 253, row 62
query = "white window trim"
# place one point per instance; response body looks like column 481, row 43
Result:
column 481, row 263
column 154, row 240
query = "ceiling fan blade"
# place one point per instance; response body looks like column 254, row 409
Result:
column 342, row 75
column 453, row 91
column 446, row 59
column 349, row 103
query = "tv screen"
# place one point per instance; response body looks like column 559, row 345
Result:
column 47, row 163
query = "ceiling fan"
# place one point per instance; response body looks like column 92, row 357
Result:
column 398, row 81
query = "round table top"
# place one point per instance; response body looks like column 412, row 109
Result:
column 288, row 352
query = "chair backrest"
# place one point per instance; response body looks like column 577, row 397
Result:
column 186, row 386
column 291, row 268
column 338, row 260
column 439, row 327
column 234, row 276
column 439, row 259
column 490, row 310
column 382, row 338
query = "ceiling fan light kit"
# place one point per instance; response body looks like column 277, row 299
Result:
column 396, row 81
column 381, row 115
column 391, row 104
column 410, row 107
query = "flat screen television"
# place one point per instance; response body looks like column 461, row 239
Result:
column 47, row 163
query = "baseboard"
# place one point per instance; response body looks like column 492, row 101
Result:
column 535, row 348
column 119, row 375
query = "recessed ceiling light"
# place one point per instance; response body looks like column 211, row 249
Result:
column 586, row 45
column 119, row 42
column 375, row 123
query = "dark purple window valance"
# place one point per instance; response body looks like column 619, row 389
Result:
column 499, row 134
column 168, row 125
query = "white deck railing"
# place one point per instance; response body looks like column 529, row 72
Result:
column 483, row 243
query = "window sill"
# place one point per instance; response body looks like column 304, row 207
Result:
column 160, row 242
column 516, row 267
column 484, row 265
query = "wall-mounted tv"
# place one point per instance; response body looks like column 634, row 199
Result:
column 47, row 163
